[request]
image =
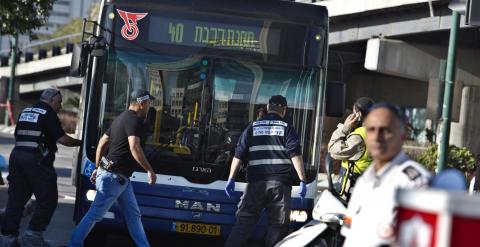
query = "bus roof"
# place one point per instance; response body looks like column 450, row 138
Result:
column 274, row 9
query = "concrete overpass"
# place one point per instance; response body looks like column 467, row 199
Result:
column 36, row 72
column 392, row 50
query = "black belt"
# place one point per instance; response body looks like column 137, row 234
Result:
column 108, row 165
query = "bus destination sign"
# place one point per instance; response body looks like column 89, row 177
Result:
column 213, row 35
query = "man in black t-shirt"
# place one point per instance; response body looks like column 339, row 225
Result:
column 123, row 140
column 31, row 169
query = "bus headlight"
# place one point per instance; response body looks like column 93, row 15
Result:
column 91, row 195
column 298, row 216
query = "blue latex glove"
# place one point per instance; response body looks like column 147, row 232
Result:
column 230, row 187
column 303, row 189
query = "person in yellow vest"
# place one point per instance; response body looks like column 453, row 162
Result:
column 348, row 145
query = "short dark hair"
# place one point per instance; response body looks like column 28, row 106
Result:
column 363, row 104
column 278, row 100
column 394, row 109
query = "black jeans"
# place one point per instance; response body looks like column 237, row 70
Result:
column 275, row 198
column 28, row 174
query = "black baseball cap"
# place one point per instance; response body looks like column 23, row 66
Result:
column 278, row 100
column 140, row 95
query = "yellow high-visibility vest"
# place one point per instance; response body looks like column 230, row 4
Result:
column 364, row 161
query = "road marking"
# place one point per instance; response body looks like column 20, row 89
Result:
column 67, row 197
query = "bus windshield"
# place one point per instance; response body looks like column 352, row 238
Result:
column 202, row 106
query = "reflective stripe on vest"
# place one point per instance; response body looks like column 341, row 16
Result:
column 266, row 147
column 29, row 132
column 26, row 144
column 364, row 161
column 269, row 162
column 44, row 151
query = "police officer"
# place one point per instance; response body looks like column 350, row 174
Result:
column 119, row 152
column 31, row 169
column 272, row 146
column 372, row 205
column 348, row 145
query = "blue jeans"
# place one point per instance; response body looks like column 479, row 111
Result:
column 109, row 190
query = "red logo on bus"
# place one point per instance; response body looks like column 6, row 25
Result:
column 130, row 30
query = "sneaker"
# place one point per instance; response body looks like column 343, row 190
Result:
column 9, row 241
column 33, row 239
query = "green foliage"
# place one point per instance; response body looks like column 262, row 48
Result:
column 72, row 103
column 74, row 26
column 458, row 157
column 22, row 16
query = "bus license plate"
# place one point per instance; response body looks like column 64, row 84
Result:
column 195, row 228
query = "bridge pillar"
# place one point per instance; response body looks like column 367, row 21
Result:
column 422, row 62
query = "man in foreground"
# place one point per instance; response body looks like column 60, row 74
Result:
column 372, row 206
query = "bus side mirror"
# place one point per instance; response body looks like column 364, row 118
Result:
column 98, row 45
column 335, row 99
column 78, row 66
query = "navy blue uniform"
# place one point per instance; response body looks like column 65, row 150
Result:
column 268, row 144
column 31, row 168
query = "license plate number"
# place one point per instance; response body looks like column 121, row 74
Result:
column 196, row 228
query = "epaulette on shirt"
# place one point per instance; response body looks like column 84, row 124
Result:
column 411, row 172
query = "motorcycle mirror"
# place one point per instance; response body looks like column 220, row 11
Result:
column 332, row 218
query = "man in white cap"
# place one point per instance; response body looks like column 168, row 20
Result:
column 372, row 208
column 31, row 169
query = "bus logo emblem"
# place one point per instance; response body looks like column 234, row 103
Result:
column 130, row 30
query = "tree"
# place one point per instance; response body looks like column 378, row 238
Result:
column 22, row 16
column 74, row 26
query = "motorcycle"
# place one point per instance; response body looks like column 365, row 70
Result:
column 328, row 217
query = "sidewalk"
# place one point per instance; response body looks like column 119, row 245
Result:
column 7, row 130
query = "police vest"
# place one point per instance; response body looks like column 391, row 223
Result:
column 28, row 132
column 268, row 159
column 364, row 161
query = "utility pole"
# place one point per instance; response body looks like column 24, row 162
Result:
column 447, row 96
column 11, row 81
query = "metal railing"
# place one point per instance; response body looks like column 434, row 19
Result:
column 41, row 49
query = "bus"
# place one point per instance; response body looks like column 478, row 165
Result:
column 212, row 66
